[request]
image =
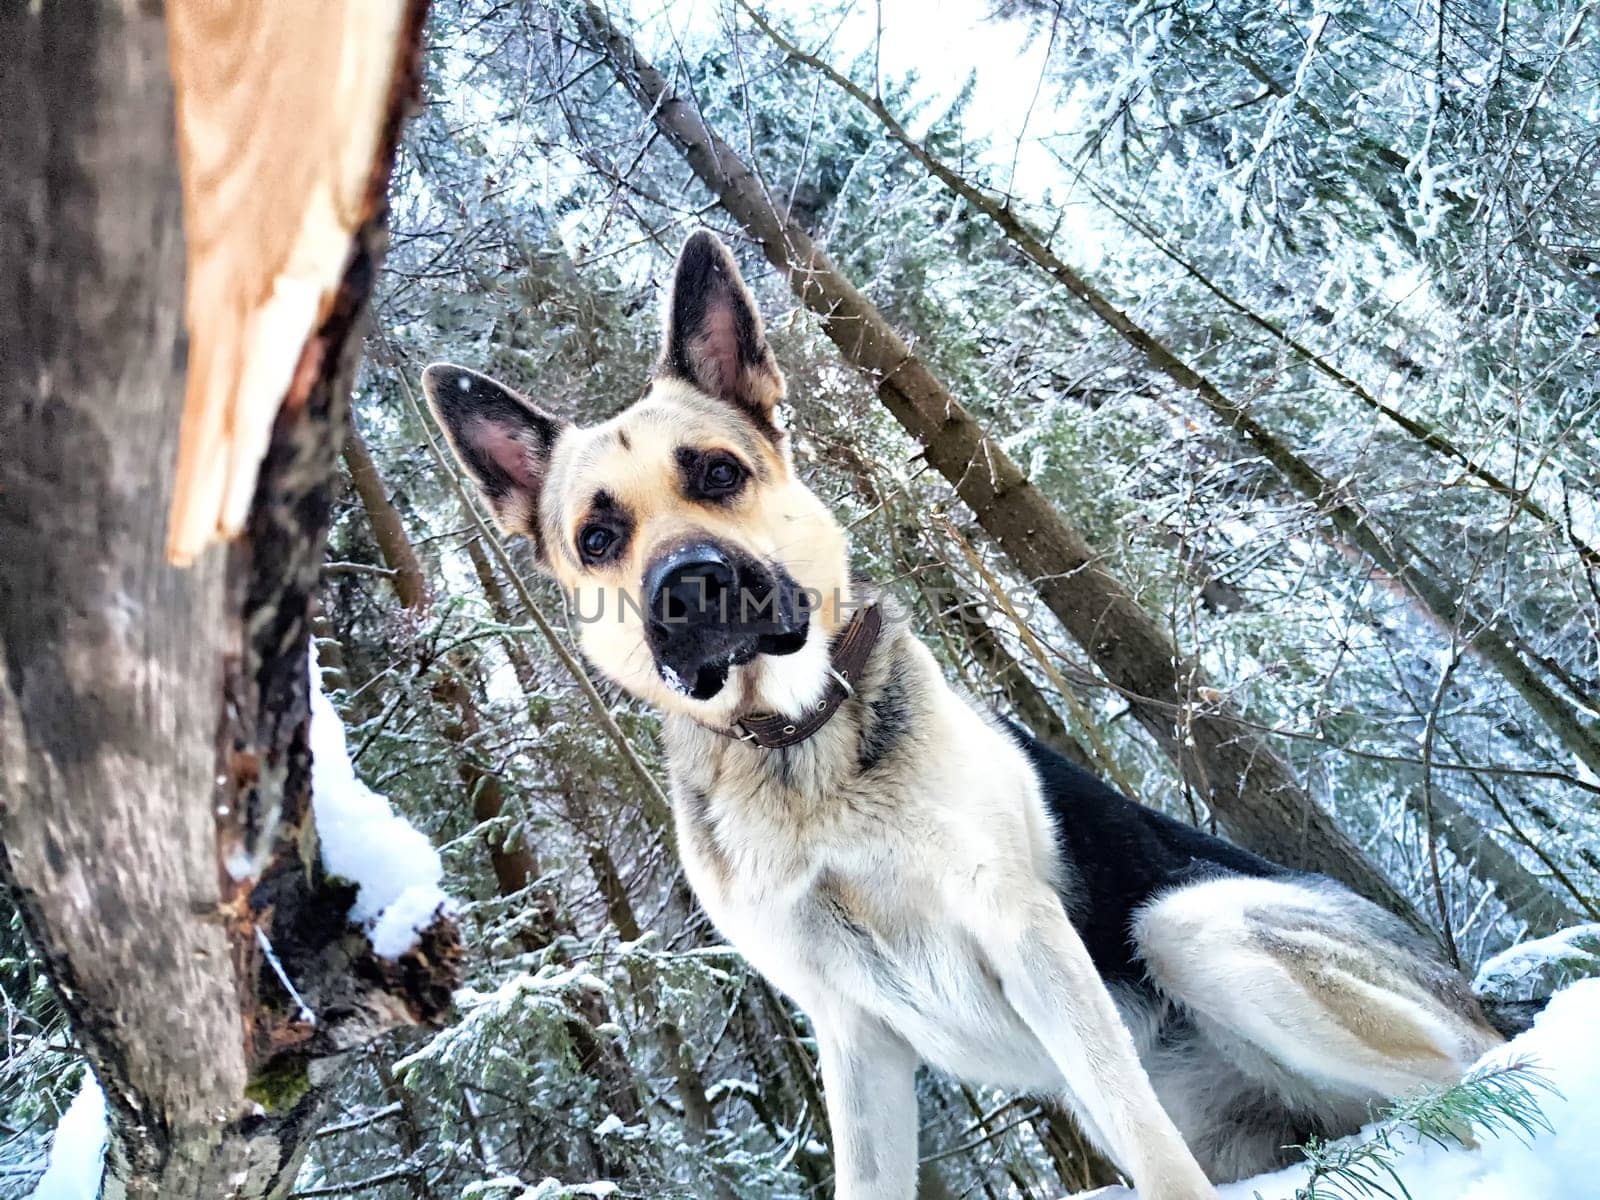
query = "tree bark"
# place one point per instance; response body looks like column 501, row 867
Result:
column 155, row 773
column 1249, row 788
column 388, row 530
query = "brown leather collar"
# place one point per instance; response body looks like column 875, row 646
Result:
column 846, row 659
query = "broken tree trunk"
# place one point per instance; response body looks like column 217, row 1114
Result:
column 1230, row 763
column 155, row 773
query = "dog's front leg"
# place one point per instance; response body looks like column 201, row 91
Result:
column 1048, row 977
column 868, row 1075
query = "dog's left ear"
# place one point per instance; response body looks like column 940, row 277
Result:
column 504, row 441
column 714, row 338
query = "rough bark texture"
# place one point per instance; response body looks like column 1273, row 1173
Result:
column 1249, row 788
column 108, row 765
column 155, row 773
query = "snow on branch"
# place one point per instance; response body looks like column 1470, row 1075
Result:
column 549, row 1189
column 365, row 841
column 1539, row 963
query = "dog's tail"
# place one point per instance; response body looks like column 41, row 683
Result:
column 1511, row 1017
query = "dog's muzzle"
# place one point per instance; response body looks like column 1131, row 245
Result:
column 712, row 608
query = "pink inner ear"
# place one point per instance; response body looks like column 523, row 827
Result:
column 506, row 450
column 717, row 348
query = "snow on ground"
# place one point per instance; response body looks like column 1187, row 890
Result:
column 365, row 841
column 78, row 1147
column 1560, row 1165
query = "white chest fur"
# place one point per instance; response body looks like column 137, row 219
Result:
column 862, row 891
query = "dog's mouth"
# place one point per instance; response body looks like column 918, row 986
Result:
column 711, row 675
column 695, row 654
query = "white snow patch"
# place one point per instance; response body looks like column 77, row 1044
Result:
column 554, row 1189
column 78, row 1147
column 548, row 1189
column 1564, row 1164
column 365, row 841
column 732, row 1087
column 673, row 680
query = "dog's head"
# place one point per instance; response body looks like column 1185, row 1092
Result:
column 706, row 578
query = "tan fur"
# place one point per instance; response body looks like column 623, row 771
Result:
column 777, row 518
column 1300, row 974
column 868, row 900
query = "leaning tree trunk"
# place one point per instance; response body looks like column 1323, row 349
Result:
column 155, row 773
column 1248, row 786
column 1431, row 591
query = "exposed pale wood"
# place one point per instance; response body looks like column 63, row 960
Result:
column 281, row 110
column 153, row 765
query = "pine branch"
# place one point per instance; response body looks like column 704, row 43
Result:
column 1424, row 434
column 1497, row 1100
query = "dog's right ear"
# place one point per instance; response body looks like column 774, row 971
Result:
column 502, row 440
column 714, row 338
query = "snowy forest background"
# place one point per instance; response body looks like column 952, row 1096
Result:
column 1290, row 309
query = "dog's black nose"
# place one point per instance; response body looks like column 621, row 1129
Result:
column 693, row 585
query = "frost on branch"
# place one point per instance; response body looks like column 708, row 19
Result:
column 1538, row 967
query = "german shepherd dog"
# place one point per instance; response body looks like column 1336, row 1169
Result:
column 929, row 883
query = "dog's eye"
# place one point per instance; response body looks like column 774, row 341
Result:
column 721, row 476
column 595, row 540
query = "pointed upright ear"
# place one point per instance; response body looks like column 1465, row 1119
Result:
column 502, row 440
column 714, row 338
